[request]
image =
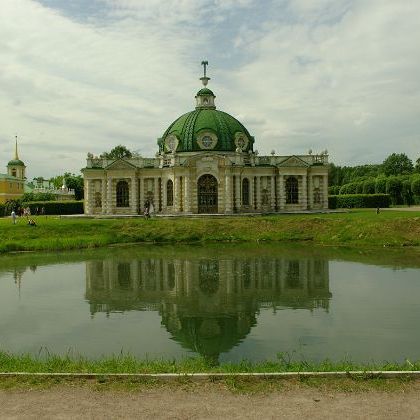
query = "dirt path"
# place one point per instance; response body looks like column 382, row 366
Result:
column 208, row 402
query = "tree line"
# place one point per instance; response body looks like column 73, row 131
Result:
column 396, row 176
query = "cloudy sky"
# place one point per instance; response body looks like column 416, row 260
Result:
column 80, row 76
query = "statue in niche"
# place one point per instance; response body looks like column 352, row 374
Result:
column 98, row 199
column 264, row 198
column 317, row 196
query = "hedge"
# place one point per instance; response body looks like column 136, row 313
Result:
column 56, row 207
column 358, row 200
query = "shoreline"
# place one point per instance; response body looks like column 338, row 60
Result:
column 360, row 228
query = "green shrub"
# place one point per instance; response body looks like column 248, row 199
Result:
column 415, row 186
column 2, row 210
column 358, row 201
column 56, row 207
column 334, row 190
column 369, row 186
column 407, row 194
column 332, row 201
column 380, row 185
column 394, row 189
column 349, row 188
column 359, row 187
column 28, row 197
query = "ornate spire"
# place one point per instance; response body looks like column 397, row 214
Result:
column 205, row 79
column 16, row 149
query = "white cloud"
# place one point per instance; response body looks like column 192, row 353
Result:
column 323, row 74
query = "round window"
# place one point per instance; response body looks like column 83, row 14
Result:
column 207, row 141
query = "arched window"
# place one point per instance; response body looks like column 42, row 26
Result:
column 292, row 190
column 122, row 194
column 170, row 193
column 14, row 172
column 245, row 192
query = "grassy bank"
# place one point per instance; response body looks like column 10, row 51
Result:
column 130, row 364
column 357, row 228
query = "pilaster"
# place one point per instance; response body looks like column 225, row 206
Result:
column 177, row 191
column 273, row 192
column 187, row 195
column 281, row 198
column 238, row 193
column 258, row 192
column 303, row 194
column 103, row 195
column 133, row 197
column 228, row 193
column 325, row 191
column 109, row 198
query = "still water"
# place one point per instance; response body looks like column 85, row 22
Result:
column 226, row 302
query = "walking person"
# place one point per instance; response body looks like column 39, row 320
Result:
column 13, row 215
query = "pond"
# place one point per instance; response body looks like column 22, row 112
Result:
column 225, row 302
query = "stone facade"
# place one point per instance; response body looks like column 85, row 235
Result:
column 209, row 182
column 206, row 164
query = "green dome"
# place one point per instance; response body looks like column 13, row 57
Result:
column 194, row 129
column 205, row 91
column 16, row 162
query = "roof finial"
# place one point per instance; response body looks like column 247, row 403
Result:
column 205, row 79
column 16, row 149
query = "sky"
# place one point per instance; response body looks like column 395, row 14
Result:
column 79, row 76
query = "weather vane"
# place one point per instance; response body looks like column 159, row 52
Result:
column 205, row 79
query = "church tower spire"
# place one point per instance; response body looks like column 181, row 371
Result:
column 16, row 149
column 16, row 167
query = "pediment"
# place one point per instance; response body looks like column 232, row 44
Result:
column 120, row 164
column 293, row 161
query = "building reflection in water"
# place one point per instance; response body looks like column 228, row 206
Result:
column 208, row 305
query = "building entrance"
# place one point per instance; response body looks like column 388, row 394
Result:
column 207, row 194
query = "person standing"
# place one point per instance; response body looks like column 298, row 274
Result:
column 13, row 217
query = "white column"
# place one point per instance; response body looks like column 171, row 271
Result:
column 141, row 199
column 176, row 194
column 228, row 192
column 88, row 197
column 258, row 192
column 187, row 195
column 325, row 191
column 273, row 193
column 133, row 195
column 109, row 198
column 304, row 194
column 103, row 195
column 156, row 194
column 281, row 199
column 251, row 192
column 238, row 193
column 310, row 191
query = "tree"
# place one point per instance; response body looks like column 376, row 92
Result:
column 57, row 181
column 397, row 164
column 369, row 186
column 75, row 182
column 417, row 167
column 394, row 189
column 118, row 152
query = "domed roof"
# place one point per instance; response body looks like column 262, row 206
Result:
column 206, row 129
column 205, row 91
column 16, row 162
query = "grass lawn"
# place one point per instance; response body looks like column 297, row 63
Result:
column 356, row 228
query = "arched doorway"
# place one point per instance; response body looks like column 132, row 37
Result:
column 207, row 194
